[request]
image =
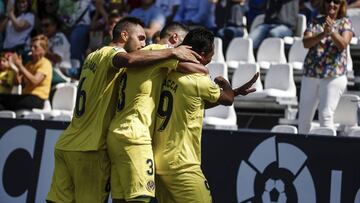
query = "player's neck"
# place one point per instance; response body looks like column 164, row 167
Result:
column 116, row 44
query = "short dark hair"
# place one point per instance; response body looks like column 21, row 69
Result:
column 124, row 25
column 114, row 13
column 173, row 27
column 53, row 19
column 200, row 39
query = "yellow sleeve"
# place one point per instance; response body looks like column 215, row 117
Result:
column 113, row 52
column 207, row 89
column 45, row 68
column 10, row 79
column 155, row 47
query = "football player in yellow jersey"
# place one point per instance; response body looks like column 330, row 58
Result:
column 129, row 138
column 82, row 167
column 177, row 140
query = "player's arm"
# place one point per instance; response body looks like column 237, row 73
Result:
column 142, row 58
column 227, row 94
column 188, row 67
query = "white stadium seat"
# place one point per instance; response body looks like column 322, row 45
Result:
column 279, row 81
column 355, row 133
column 271, row 51
column 297, row 55
column 323, row 131
column 218, row 50
column 285, row 129
column 217, row 69
column 221, row 117
column 7, row 114
column 243, row 74
column 240, row 50
column 63, row 101
column 345, row 115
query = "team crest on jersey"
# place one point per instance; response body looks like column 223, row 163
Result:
column 150, row 186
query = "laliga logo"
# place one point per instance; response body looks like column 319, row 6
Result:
column 275, row 173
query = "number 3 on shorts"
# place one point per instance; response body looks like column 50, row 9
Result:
column 150, row 163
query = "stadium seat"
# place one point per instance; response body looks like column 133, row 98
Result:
column 355, row 133
column 299, row 32
column 24, row 112
column 259, row 19
column 240, row 50
column 297, row 55
column 34, row 116
column 323, row 131
column 285, row 129
column 356, row 25
column 220, row 117
column 345, row 116
column 218, row 51
column 7, row 114
column 62, row 117
column 63, row 101
column 218, row 69
column 243, row 74
column 279, row 81
column 271, row 51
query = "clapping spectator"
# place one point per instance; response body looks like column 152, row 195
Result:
column 35, row 77
column 20, row 22
column 280, row 21
column 59, row 47
column 7, row 74
column 324, row 80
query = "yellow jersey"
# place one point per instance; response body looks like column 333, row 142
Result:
column 6, row 81
column 95, row 103
column 41, row 90
column 177, row 137
column 138, row 91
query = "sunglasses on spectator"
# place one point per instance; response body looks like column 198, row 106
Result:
column 334, row 1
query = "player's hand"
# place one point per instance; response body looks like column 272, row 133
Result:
column 220, row 80
column 246, row 88
column 184, row 53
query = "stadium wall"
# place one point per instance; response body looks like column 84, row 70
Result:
column 241, row 166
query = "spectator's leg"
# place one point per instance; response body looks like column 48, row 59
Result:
column 17, row 102
column 309, row 100
column 259, row 34
column 79, row 40
column 280, row 31
column 330, row 92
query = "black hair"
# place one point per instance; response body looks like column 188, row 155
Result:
column 173, row 27
column 125, row 24
column 200, row 39
column 53, row 19
column 114, row 13
column 17, row 12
